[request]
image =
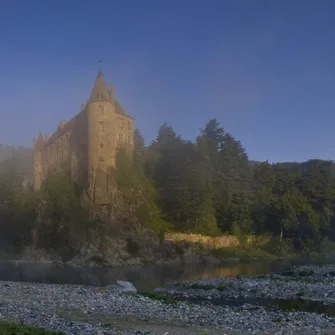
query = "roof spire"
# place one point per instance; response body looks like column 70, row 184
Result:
column 100, row 90
column 39, row 143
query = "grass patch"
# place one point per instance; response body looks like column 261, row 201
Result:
column 205, row 287
column 306, row 273
column 107, row 325
column 7, row 328
column 222, row 287
column 296, row 279
column 160, row 297
column 277, row 320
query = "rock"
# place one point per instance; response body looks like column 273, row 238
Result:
column 122, row 286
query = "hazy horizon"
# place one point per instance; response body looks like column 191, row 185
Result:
column 264, row 69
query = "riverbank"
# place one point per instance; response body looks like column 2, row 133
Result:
column 194, row 308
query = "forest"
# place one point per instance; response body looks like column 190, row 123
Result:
column 207, row 186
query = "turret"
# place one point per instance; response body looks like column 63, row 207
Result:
column 101, row 127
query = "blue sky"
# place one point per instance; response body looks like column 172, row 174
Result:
column 264, row 69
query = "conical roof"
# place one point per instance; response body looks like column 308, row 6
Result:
column 39, row 145
column 100, row 90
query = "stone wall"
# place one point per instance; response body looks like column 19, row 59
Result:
column 208, row 241
column 225, row 241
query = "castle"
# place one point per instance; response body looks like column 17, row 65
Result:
column 86, row 146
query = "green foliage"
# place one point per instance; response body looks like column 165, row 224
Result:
column 17, row 206
column 208, row 186
column 160, row 297
column 7, row 328
column 63, row 223
column 139, row 193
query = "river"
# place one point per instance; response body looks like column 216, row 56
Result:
column 144, row 278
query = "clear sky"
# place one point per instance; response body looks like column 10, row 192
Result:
column 264, row 69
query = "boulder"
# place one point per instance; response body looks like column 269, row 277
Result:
column 122, row 286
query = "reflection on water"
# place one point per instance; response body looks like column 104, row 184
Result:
column 144, row 278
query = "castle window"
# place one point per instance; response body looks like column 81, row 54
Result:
column 101, row 126
column 101, row 145
column 101, row 110
column 102, row 159
column 129, row 125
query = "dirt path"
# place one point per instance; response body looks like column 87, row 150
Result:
column 156, row 327
column 130, row 322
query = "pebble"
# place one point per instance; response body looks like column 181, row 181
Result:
column 37, row 304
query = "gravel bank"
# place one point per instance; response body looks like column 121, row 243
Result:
column 91, row 310
column 314, row 283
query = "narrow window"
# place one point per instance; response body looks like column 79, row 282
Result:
column 101, row 145
column 101, row 110
column 101, row 126
column 102, row 159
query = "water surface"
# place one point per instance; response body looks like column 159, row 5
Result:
column 144, row 278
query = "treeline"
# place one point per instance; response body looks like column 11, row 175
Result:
column 208, row 186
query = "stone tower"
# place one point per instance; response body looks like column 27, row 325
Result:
column 86, row 146
column 102, row 127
